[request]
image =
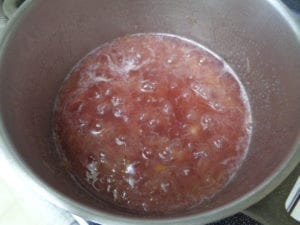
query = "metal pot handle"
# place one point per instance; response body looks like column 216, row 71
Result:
column 272, row 209
column 9, row 7
column 3, row 19
column 7, row 10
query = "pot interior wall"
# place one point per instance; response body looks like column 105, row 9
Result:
column 52, row 36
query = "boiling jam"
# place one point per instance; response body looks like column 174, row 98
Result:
column 153, row 123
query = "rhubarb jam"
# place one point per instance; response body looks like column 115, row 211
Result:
column 153, row 123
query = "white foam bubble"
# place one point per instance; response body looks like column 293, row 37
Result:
column 102, row 157
column 206, row 122
column 148, row 86
column 152, row 123
column 117, row 112
column 101, row 79
column 92, row 174
column 126, row 65
column 216, row 106
column 218, row 142
column 115, row 100
column 167, row 154
column 130, row 168
column 146, row 153
column 167, row 108
column 101, row 109
column 108, row 92
column 165, row 186
column 131, row 182
column 96, row 132
column 200, row 90
column 169, row 61
column 120, row 140
column 145, row 206
column 115, row 194
column 200, row 154
column 202, row 60
column 82, row 123
column 186, row 172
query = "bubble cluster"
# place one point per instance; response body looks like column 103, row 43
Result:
column 150, row 122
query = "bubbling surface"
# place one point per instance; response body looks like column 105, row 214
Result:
column 153, row 123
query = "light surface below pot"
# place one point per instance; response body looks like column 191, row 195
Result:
column 19, row 203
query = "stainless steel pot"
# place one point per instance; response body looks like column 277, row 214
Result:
column 258, row 38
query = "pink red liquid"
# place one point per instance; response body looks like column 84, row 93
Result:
column 152, row 123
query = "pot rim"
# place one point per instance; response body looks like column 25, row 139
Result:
column 66, row 203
